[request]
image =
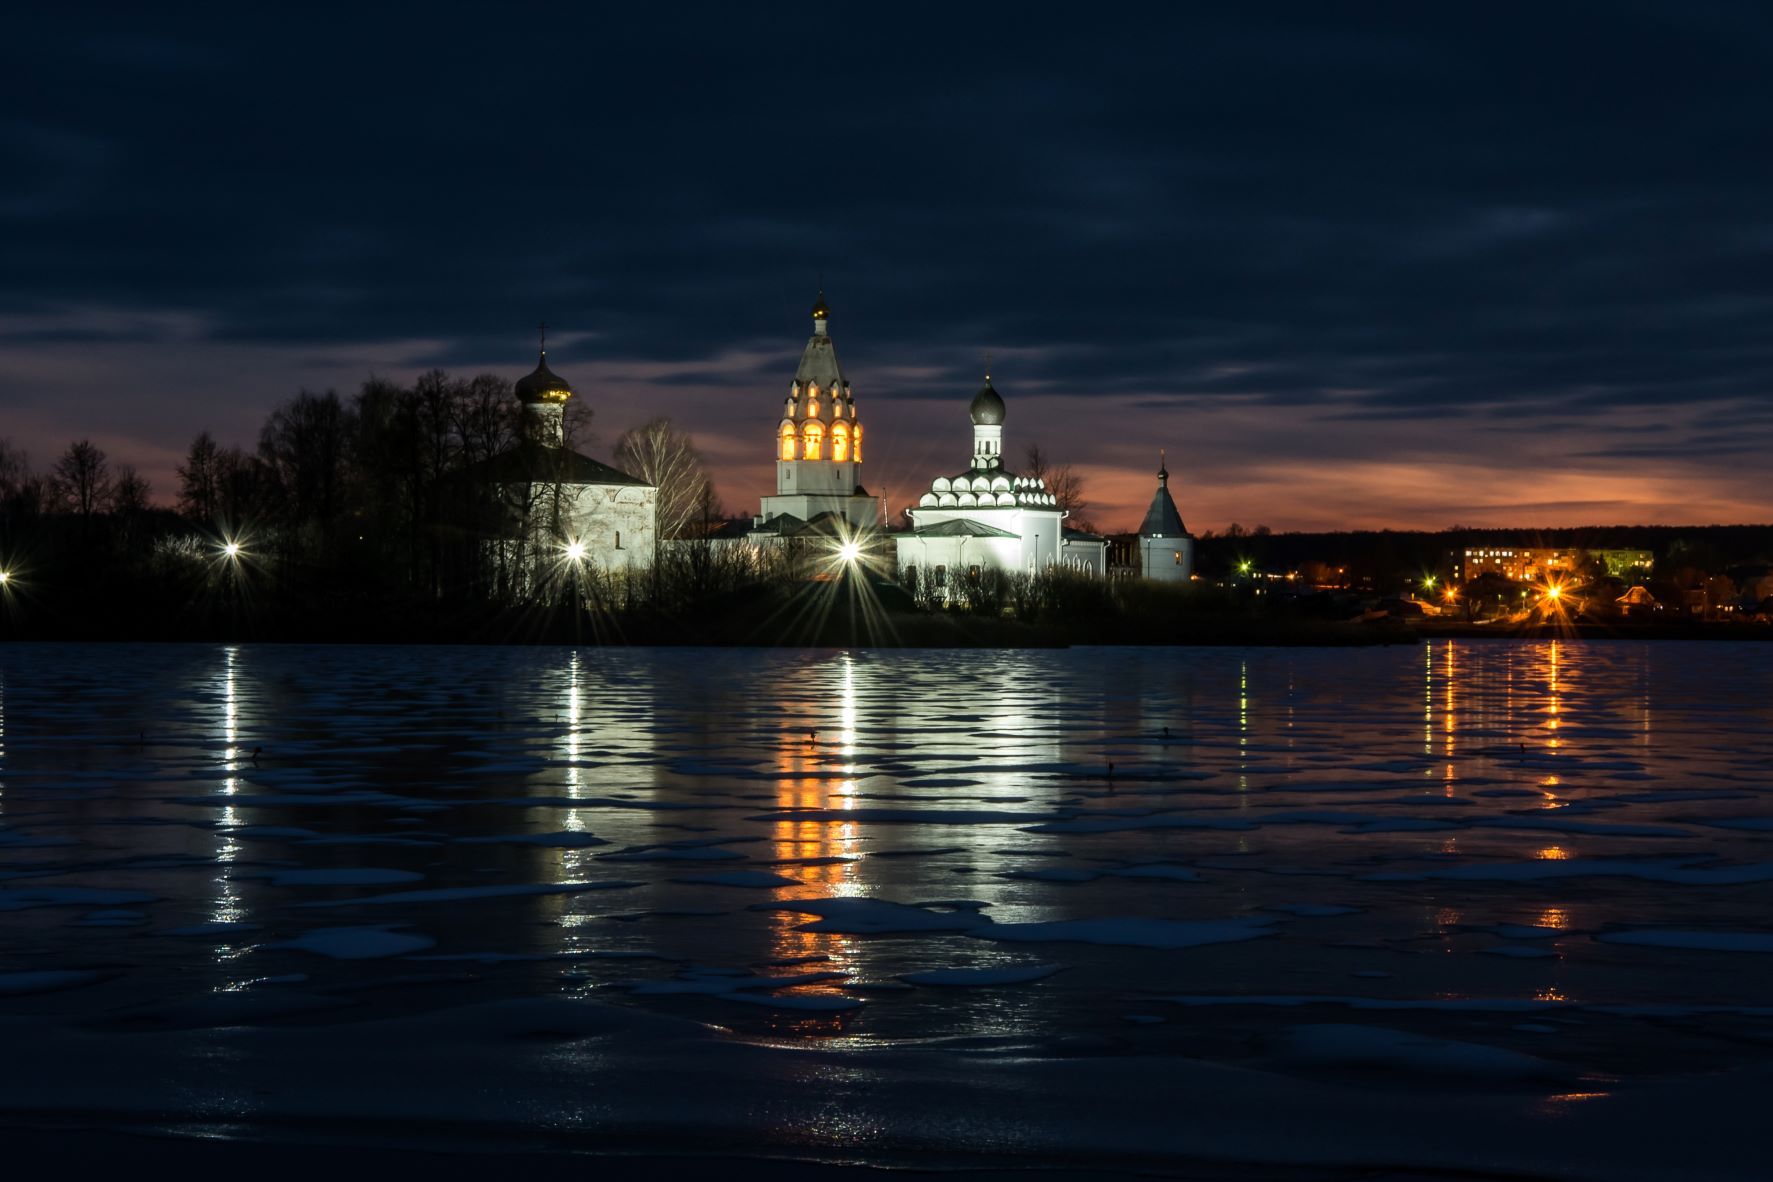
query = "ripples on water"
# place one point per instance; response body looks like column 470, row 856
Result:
column 1556, row 847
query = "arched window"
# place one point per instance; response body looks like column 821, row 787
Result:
column 787, row 446
column 856, row 442
column 812, row 440
column 840, row 442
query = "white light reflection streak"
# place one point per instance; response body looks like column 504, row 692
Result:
column 227, row 908
column 573, row 861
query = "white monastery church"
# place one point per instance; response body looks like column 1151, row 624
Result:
column 989, row 518
column 564, row 509
column 984, row 518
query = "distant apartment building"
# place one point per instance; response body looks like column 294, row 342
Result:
column 1529, row 564
column 1630, row 565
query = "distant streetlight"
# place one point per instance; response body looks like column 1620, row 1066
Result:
column 232, row 549
column 1428, row 583
column 5, row 577
column 1245, row 567
column 849, row 552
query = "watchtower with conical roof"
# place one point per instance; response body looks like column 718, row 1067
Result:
column 818, row 441
column 1166, row 548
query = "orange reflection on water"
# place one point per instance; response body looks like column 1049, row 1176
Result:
column 1554, row 917
column 1553, row 853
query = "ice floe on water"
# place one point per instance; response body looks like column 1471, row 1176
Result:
column 1681, row 871
column 1129, row 932
column 220, row 929
column 474, row 894
column 1397, row 1050
column 757, row 879
column 345, row 876
column 45, row 981
column 367, row 942
column 113, row 917
column 874, row 917
column 25, row 898
column 565, row 839
column 1706, row 941
column 1012, row 974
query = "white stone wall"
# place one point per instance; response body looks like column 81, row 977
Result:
column 958, row 555
column 1091, row 558
column 858, row 511
column 1166, row 560
column 806, row 477
column 618, row 524
column 1039, row 531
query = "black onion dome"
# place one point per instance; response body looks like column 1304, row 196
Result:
column 987, row 408
column 543, row 385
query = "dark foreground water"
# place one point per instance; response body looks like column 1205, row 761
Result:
column 1494, row 907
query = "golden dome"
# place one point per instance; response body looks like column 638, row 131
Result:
column 543, row 384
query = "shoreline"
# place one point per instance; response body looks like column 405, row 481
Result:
column 924, row 632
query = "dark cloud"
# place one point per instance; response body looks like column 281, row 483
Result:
column 1553, row 217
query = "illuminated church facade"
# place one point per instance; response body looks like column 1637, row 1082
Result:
column 818, row 445
column 563, row 512
column 989, row 518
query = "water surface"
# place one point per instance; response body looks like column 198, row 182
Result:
column 1548, row 850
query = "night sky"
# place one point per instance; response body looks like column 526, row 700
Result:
column 1354, row 265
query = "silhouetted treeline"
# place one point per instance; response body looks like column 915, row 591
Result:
column 348, row 516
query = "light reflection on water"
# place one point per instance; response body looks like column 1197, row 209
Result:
column 1354, row 778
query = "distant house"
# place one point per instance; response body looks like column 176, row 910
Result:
column 1638, row 601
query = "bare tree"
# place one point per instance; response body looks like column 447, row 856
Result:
column 15, row 469
column 1062, row 480
column 575, row 424
column 663, row 456
column 199, row 479
column 83, row 479
column 129, row 492
column 305, row 446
